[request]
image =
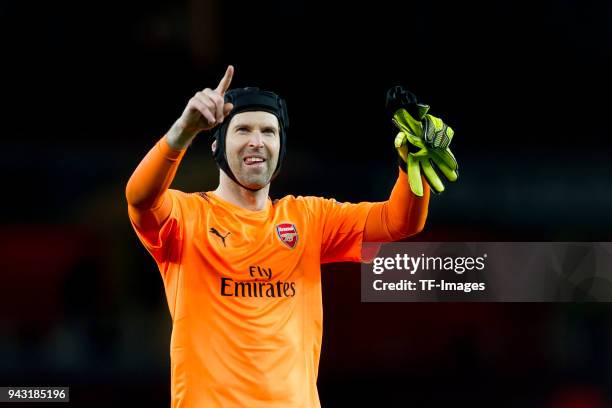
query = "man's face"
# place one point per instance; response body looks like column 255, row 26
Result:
column 252, row 146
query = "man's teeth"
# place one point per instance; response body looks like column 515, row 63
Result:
column 250, row 160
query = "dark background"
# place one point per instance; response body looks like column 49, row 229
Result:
column 87, row 88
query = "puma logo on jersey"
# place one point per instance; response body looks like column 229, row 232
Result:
column 217, row 233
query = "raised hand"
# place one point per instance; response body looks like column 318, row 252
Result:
column 205, row 110
column 428, row 134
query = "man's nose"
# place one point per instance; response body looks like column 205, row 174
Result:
column 256, row 139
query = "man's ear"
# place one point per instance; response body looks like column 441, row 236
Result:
column 213, row 146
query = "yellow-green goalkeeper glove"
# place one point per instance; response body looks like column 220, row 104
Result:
column 428, row 134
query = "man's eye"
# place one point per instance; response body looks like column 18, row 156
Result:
column 242, row 130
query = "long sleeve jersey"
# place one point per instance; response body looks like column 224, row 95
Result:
column 244, row 287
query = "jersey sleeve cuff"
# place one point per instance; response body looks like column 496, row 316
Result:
column 169, row 152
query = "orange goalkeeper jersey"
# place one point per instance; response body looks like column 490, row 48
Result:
column 244, row 292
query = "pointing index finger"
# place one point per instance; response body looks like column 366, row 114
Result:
column 225, row 81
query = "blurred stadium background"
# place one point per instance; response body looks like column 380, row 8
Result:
column 88, row 87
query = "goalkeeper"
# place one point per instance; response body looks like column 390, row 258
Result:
column 242, row 272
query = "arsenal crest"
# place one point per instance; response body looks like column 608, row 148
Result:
column 288, row 235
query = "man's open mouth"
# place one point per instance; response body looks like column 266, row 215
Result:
column 254, row 161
